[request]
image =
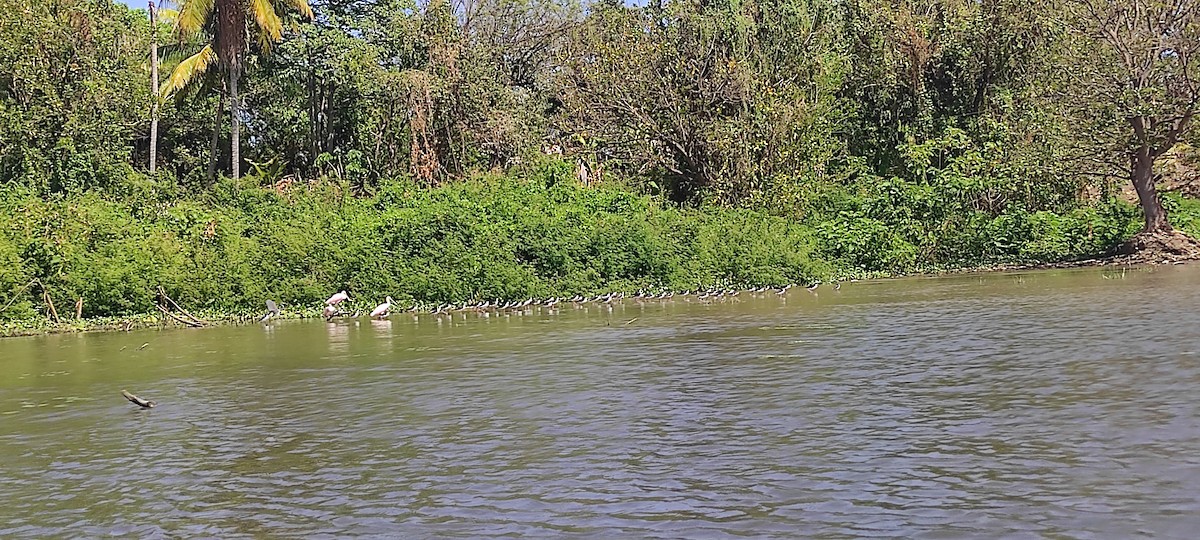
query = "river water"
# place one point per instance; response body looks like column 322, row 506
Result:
column 1061, row 404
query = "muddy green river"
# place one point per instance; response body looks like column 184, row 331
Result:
column 1027, row 405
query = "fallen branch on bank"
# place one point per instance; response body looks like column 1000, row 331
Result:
column 50, row 304
column 167, row 312
column 163, row 294
column 17, row 295
column 187, row 318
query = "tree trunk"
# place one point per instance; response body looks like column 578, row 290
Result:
column 313, row 117
column 212, row 144
column 153, row 87
column 1143, row 182
column 235, row 157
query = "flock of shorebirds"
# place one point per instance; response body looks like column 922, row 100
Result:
column 383, row 310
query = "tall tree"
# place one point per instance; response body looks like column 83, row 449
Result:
column 73, row 93
column 710, row 100
column 153, row 87
column 1140, row 61
column 228, row 24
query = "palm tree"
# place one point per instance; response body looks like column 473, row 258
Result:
column 158, row 16
column 227, row 23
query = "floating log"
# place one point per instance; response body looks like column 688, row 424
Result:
column 143, row 403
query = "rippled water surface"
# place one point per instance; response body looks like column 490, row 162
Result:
column 1061, row 404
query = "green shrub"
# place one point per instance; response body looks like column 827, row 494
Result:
column 496, row 237
column 13, row 280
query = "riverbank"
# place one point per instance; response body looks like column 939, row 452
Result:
column 536, row 235
column 358, row 310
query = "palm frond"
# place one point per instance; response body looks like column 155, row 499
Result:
column 168, row 15
column 193, row 14
column 174, row 52
column 189, row 70
column 268, row 22
column 301, row 7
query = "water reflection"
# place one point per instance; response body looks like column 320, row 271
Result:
column 338, row 333
column 1054, row 405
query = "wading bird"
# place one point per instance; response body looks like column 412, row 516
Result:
column 272, row 311
column 382, row 310
column 337, row 298
column 329, row 312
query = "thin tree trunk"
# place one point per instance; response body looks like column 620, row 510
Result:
column 314, row 144
column 1143, row 182
column 212, row 145
column 234, row 150
column 153, row 87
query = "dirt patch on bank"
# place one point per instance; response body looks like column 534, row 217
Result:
column 1143, row 249
column 1158, row 247
column 1181, row 171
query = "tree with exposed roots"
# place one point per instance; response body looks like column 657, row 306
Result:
column 1140, row 61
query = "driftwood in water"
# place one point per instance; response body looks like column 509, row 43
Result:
column 143, row 403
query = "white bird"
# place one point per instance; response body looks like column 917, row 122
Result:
column 382, row 310
column 337, row 299
column 329, row 312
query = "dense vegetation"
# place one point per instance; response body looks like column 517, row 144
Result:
column 512, row 148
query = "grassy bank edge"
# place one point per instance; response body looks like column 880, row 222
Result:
column 43, row 326
column 223, row 253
